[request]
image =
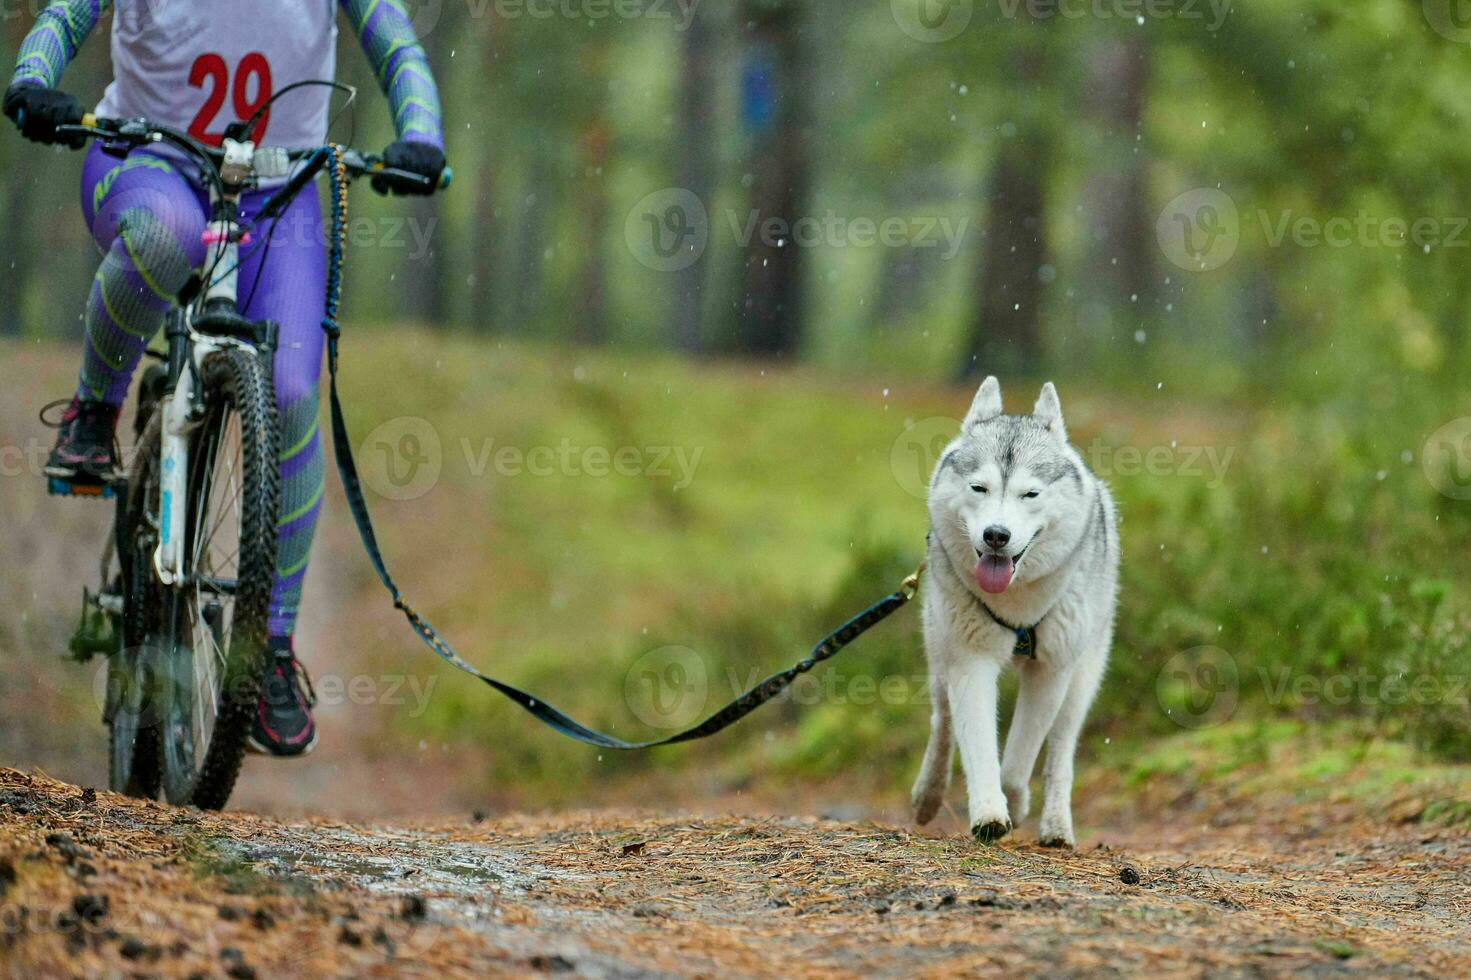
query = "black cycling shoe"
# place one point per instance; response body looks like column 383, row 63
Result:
column 86, row 447
column 283, row 724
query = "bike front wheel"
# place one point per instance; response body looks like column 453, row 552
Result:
column 211, row 671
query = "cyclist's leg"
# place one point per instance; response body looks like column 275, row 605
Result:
column 149, row 221
column 286, row 282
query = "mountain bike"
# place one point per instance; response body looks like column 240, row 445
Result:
column 181, row 614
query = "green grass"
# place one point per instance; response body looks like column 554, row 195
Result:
column 1321, row 556
column 1322, row 568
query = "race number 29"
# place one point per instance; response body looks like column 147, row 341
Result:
column 249, row 90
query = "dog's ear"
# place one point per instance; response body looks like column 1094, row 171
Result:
column 1048, row 410
column 986, row 406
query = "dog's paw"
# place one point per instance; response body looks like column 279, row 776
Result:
column 1055, row 833
column 989, row 831
column 1018, row 803
column 925, row 806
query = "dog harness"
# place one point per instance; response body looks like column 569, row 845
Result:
column 1026, row 636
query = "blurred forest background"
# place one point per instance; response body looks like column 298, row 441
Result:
column 1051, row 134
column 1229, row 227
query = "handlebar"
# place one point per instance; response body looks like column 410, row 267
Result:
column 139, row 132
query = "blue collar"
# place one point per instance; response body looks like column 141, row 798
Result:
column 1026, row 636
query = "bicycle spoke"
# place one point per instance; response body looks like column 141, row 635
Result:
column 217, row 510
column 231, row 488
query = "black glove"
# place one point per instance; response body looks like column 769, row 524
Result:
column 424, row 159
column 38, row 111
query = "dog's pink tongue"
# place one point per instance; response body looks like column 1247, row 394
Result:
column 994, row 572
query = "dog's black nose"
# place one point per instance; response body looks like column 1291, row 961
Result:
column 996, row 536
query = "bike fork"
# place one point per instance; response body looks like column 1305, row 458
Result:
column 175, row 409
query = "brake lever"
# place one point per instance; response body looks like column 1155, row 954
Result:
column 376, row 168
column 113, row 140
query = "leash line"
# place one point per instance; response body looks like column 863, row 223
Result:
column 558, row 721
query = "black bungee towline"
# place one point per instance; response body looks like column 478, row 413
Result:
column 347, row 469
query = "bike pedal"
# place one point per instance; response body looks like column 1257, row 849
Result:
column 99, row 632
column 60, row 487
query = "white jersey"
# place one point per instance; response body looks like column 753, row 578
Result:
column 198, row 65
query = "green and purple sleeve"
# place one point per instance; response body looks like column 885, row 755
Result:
column 54, row 39
column 401, row 65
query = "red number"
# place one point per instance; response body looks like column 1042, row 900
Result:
column 211, row 69
column 253, row 65
column 208, row 68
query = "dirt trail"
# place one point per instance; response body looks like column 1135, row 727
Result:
column 105, row 886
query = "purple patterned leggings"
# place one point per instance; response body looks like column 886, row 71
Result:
column 148, row 218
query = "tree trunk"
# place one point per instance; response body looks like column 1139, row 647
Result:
column 591, row 325
column 486, row 293
column 1006, row 335
column 696, row 164
column 592, row 306
column 15, row 262
column 908, row 273
column 775, row 91
column 1120, row 257
column 12, row 207
column 487, row 227
column 531, row 228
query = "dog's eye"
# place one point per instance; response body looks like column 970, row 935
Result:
column 1031, row 494
column 978, row 488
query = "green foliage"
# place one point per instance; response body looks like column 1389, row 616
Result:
column 1320, row 561
column 559, row 125
column 1316, row 559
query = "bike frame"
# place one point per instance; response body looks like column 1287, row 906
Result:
column 210, row 321
column 183, row 408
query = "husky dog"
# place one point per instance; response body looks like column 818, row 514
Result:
column 1024, row 564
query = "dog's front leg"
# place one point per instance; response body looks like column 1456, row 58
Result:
column 1056, row 829
column 972, row 681
column 1042, row 688
column 939, row 756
